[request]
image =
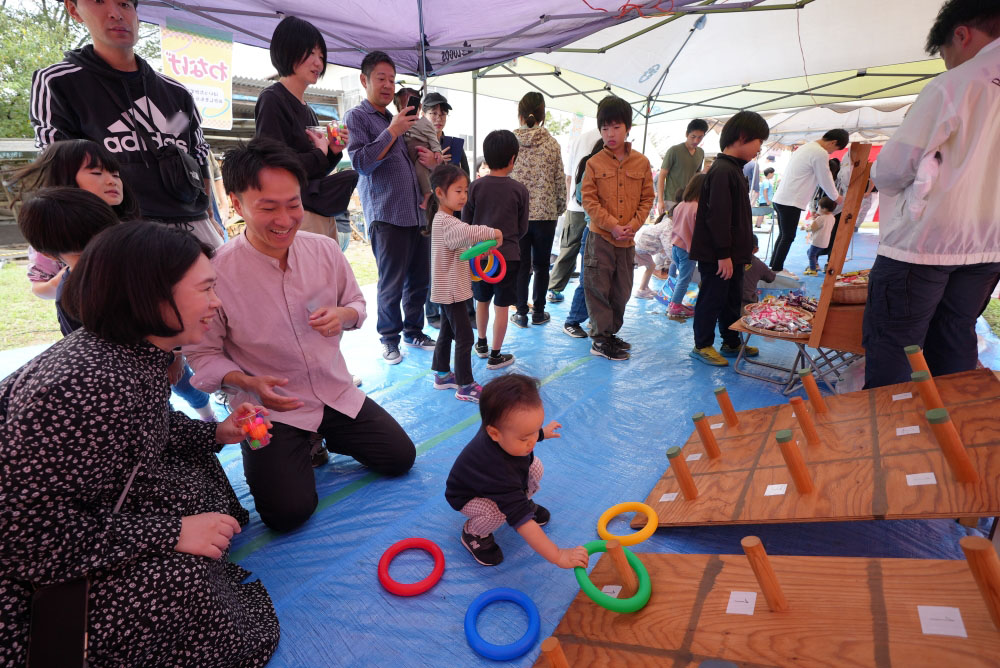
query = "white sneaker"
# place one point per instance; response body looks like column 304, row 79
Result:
column 645, row 294
column 789, row 274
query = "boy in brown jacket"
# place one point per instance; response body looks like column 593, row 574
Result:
column 617, row 193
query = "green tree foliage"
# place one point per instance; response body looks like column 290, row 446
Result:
column 555, row 126
column 35, row 34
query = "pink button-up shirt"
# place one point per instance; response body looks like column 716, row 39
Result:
column 263, row 329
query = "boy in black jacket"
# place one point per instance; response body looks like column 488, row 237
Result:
column 722, row 241
column 495, row 476
column 103, row 91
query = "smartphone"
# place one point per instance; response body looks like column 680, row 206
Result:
column 58, row 627
column 413, row 101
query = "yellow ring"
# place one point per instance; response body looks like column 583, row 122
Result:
column 489, row 264
column 652, row 522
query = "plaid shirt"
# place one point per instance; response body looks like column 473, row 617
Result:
column 388, row 187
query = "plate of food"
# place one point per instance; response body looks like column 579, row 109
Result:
column 778, row 320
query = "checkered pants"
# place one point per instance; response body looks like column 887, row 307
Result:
column 484, row 514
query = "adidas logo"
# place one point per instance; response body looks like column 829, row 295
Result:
column 164, row 131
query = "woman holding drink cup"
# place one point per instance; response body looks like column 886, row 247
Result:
column 298, row 52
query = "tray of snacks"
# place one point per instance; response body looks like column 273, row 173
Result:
column 851, row 287
column 803, row 306
column 779, row 320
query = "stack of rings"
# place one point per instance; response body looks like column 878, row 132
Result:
column 400, row 589
column 514, row 649
column 619, row 605
column 496, row 266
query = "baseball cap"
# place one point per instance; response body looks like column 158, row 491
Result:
column 435, row 100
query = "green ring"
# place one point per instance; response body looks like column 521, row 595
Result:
column 477, row 250
column 620, row 605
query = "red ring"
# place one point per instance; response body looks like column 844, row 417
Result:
column 478, row 270
column 400, row 589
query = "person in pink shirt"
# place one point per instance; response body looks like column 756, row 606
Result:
column 287, row 298
column 684, row 215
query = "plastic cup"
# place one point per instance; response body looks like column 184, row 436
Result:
column 255, row 429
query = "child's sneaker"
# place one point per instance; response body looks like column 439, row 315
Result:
column 608, row 350
column 500, row 361
column 482, row 548
column 733, row 351
column 542, row 514
column 469, row 392
column 810, row 272
column 574, row 330
column 446, row 383
column 540, row 317
column 708, row 355
column 519, row 319
column 645, row 294
column 482, row 350
column 555, row 296
column 679, row 311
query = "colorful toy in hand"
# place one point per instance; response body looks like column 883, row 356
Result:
column 335, row 132
column 496, row 266
column 255, row 429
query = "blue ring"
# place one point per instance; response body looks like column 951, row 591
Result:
column 502, row 652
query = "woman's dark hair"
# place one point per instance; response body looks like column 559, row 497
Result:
column 979, row 14
column 241, row 166
column 292, row 42
column 63, row 220
column 582, row 166
column 698, row 124
column 499, row 147
column 61, row 160
column 613, row 109
column 744, row 126
column 531, row 109
column 507, row 393
column 692, row 191
column 442, row 177
column 838, row 135
column 834, row 167
column 374, row 58
column 126, row 275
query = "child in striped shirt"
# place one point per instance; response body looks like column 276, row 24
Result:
column 451, row 279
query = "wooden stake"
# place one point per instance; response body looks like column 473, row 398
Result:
column 950, row 443
column 985, row 566
column 794, row 461
column 726, row 404
column 928, row 389
column 917, row 361
column 805, row 420
column 630, row 583
column 554, row 653
column 682, row 473
column 812, row 389
column 706, row 435
column 766, row 578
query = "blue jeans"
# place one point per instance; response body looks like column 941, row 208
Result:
column 685, row 268
column 813, row 255
column 196, row 398
column 578, row 308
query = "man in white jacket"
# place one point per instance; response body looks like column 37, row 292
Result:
column 939, row 254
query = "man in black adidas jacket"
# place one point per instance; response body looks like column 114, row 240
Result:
column 103, row 91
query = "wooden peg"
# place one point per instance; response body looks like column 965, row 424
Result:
column 812, row 389
column 766, row 578
column 985, row 566
column 726, row 404
column 682, row 473
column 794, row 461
column 928, row 389
column 706, row 435
column 950, row 443
column 805, row 420
column 554, row 653
column 917, row 361
column 630, row 583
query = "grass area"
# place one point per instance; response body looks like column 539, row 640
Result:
column 992, row 315
column 25, row 320
column 362, row 260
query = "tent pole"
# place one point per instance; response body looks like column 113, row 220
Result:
column 475, row 116
column 423, row 51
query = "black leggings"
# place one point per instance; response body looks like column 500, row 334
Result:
column 455, row 325
column 788, row 223
column 536, row 249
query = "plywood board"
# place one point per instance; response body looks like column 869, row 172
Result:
column 860, row 468
column 842, row 612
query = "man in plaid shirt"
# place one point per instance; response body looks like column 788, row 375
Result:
column 390, row 197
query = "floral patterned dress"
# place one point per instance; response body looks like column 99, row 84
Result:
column 74, row 422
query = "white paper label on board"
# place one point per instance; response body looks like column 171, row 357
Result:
column 717, row 426
column 693, row 458
column 776, row 490
column 937, row 620
column 741, row 602
column 612, row 590
column 902, row 395
column 914, row 479
column 906, row 431
column 668, row 497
